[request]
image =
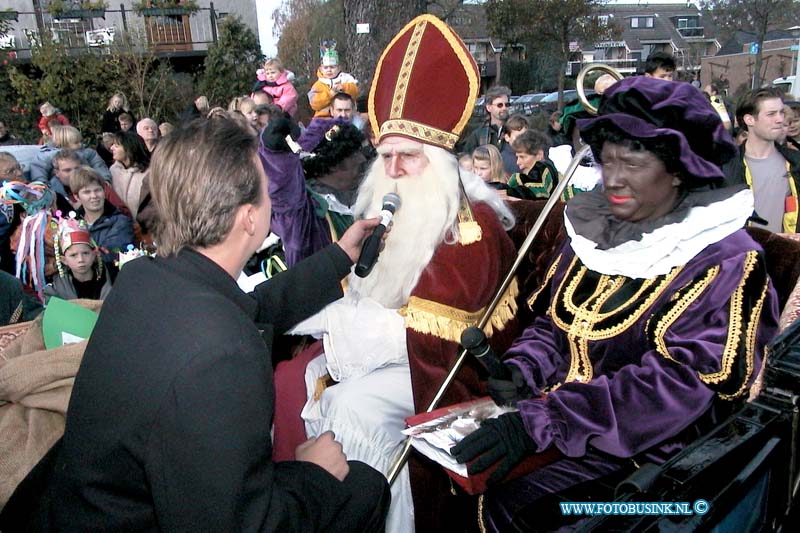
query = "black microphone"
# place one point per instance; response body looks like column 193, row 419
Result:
column 372, row 246
column 475, row 342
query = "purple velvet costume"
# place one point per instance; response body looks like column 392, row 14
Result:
column 623, row 366
column 296, row 217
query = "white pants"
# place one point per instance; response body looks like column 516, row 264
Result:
column 367, row 415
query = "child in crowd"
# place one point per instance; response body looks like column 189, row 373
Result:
column 537, row 176
column 488, row 165
column 50, row 115
column 125, row 122
column 109, row 228
column 331, row 80
column 80, row 269
column 465, row 162
column 513, row 128
column 276, row 81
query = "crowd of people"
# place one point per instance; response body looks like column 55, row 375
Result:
column 651, row 320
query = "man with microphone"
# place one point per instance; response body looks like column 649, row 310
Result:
column 389, row 342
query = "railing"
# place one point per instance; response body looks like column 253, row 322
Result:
column 692, row 32
column 625, row 66
column 168, row 33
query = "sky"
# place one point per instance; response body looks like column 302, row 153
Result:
column 269, row 42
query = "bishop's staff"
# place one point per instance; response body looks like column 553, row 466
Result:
column 555, row 196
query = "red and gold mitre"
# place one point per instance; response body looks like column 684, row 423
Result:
column 425, row 85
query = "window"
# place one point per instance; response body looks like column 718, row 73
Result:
column 641, row 22
column 634, row 22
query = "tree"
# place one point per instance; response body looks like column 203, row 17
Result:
column 385, row 20
column 556, row 22
column 301, row 26
column 757, row 16
column 81, row 80
column 231, row 63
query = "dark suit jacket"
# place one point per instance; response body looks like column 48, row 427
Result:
column 168, row 426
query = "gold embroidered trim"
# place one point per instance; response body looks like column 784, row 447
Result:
column 17, row 314
column 481, row 521
column 579, row 325
column 550, row 273
column 446, row 322
column 734, row 326
column 752, row 330
column 469, row 231
column 684, row 301
column 403, row 77
column 427, row 134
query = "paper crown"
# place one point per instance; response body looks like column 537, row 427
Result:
column 329, row 57
column 73, row 231
column 425, row 85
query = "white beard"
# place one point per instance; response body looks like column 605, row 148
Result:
column 426, row 216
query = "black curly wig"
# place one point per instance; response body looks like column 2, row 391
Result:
column 342, row 144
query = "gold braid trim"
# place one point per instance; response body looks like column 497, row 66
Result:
column 752, row 334
column 445, row 322
column 684, row 301
column 550, row 273
column 17, row 314
column 481, row 521
column 735, row 327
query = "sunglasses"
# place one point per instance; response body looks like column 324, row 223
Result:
column 501, row 104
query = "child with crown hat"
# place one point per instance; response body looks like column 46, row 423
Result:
column 80, row 267
column 331, row 80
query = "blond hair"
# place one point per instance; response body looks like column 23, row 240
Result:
column 47, row 109
column 124, row 99
column 490, row 153
column 199, row 177
column 274, row 62
column 66, row 136
column 236, row 103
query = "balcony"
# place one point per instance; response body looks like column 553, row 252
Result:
column 697, row 31
column 624, row 66
column 169, row 34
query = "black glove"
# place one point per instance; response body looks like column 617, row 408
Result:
column 274, row 135
column 509, row 391
column 498, row 438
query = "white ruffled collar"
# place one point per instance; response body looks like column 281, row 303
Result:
column 668, row 246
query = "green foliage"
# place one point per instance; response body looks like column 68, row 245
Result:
column 59, row 7
column 231, row 64
column 80, row 82
column 188, row 6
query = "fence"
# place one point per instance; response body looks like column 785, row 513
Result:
column 169, row 31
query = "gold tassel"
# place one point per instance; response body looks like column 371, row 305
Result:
column 469, row 232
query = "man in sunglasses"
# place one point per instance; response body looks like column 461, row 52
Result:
column 497, row 108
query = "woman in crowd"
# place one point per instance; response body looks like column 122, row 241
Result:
column 131, row 161
column 65, row 137
column 658, row 310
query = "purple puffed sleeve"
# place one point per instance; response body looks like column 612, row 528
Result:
column 294, row 216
